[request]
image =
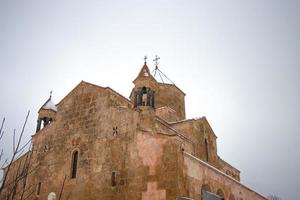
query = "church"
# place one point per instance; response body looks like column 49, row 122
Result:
column 96, row 144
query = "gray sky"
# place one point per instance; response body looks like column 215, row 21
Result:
column 237, row 61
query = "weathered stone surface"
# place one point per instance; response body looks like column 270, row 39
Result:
column 128, row 151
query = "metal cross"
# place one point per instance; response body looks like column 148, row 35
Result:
column 51, row 94
column 156, row 60
column 145, row 59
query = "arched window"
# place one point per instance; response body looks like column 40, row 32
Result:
column 205, row 187
column 220, row 193
column 113, row 179
column 74, row 164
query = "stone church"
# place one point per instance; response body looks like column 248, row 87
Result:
column 96, row 144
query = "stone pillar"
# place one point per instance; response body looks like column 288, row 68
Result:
column 38, row 126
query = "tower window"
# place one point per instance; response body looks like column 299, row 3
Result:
column 113, row 179
column 144, row 97
column 74, row 164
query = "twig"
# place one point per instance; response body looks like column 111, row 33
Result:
column 14, row 153
column 1, row 128
column 24, row 145
column 14, row 140
column 62, row 188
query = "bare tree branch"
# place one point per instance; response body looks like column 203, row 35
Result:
column 62, row 188
column 26, row 174
column 14, row 153
column 14, row 140
column 1, row 154
column 21, row 149
column 1, row 129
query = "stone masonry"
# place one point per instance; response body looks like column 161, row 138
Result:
column 101, row 145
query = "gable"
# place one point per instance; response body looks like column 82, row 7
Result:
column 205, row 122
column 89, row 86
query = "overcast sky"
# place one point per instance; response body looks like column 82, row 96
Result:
column 237, row 61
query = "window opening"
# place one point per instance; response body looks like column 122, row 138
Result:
column 74, row 164
column 39, row 188
column 113, row 179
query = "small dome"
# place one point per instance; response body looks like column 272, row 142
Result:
column 49, row 105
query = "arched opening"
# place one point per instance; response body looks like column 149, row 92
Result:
column 113, row 179
column 220, row 193
column 44, row 121
column 74, row 164
column 144, row 97
column 207, row 194
column 205, row 187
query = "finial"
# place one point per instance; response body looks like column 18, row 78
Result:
column 145, row 60
column 156, row 61
column 50, row 94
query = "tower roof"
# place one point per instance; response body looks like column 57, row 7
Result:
column 49, row 104
column 144, row 73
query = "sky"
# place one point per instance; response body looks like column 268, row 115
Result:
column 237, row 61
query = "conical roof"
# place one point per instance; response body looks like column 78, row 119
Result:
column 145, row 72
column 49, row 105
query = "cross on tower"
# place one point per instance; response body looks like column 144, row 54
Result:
column 51, row 94
column 145, row 59
column 156, row 61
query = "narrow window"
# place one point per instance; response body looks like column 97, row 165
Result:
column 206, row 149
column 74, row 164
column 113, row 179
column 39, row 188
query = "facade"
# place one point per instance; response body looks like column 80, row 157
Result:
column 97, row 144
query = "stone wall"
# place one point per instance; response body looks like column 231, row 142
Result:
column 96, row 122
column 199, row 175
column 167, row 114
column 169, row 95
column 129, row 153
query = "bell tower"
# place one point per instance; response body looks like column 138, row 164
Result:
column 145, row 85
column 166, row 99
column 46, row 113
